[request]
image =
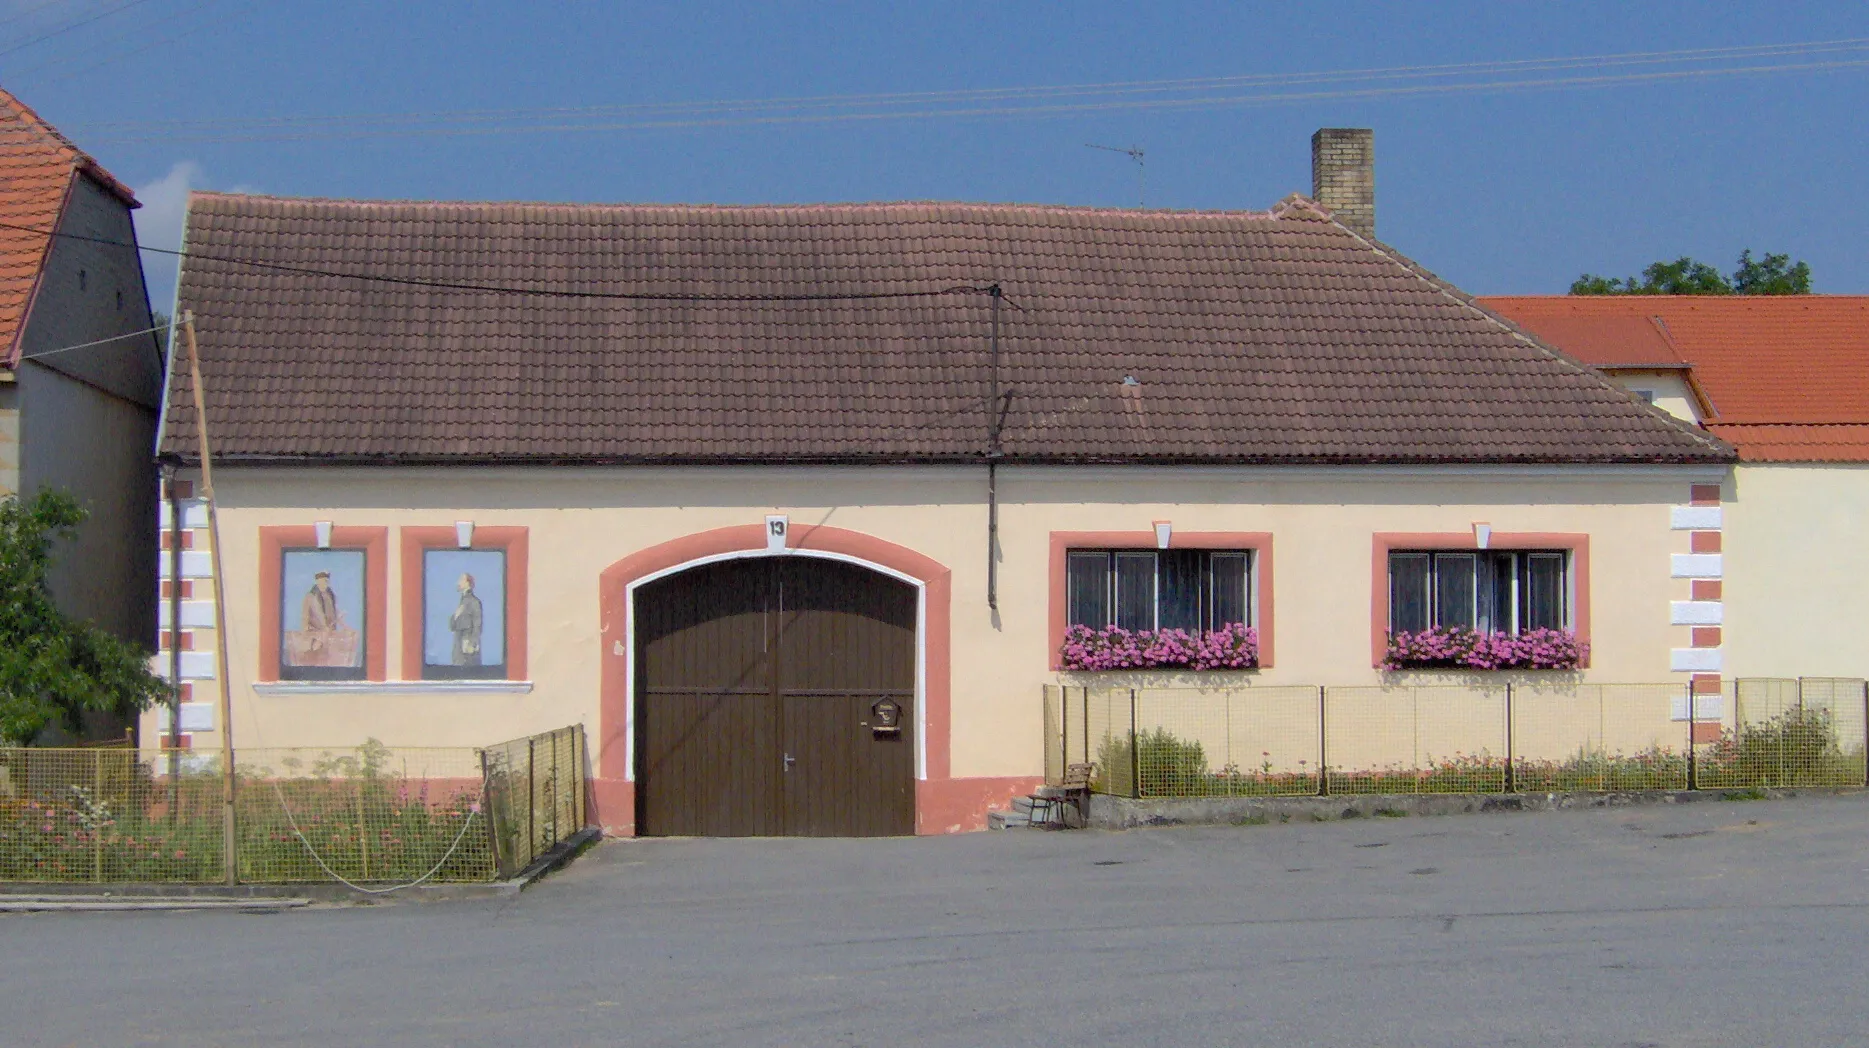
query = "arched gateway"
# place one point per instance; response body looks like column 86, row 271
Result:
column 775, row 697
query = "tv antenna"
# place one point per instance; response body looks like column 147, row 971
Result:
column 1142, row 171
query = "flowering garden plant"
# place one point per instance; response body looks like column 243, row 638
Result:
column 1234, row 646
column 1455, row 647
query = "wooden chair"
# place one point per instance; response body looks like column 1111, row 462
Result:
column 1074, row 791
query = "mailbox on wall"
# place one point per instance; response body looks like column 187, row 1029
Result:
column 886, row 717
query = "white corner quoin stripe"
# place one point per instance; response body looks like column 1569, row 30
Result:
column 196, row 614
column 1696, row 565
column 1706, row 707
column 1695, row 660
column 1696, row 612
column 196, row 564
column 1695, row 518
column 194, row 515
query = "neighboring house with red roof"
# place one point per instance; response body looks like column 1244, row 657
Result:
column 1785, row 380
column 793, row 507
column 80, row 419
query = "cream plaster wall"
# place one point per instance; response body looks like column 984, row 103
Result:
column 583, row 520
column 1797, row 571
column 1670, row 390
column 9, row 435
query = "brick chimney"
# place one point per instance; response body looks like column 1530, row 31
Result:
column 1343, row 175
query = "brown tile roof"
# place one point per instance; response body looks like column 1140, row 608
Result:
column 1275, row 337
column 36, row 168
column 1767, row 362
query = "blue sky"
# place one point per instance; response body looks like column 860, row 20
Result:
column 1500, row 192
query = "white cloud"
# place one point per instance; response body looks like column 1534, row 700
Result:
column 159, row 224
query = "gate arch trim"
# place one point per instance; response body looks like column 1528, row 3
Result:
column 617, row 585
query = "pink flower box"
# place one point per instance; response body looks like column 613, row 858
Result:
column 1454, row 647
column 1234, row 646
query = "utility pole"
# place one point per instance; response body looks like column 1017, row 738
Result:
column 229, row 852
column 1142, row 173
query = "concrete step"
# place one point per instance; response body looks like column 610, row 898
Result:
column 1008, row 820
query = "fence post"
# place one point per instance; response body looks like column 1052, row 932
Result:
column 486, row 808
column 1865, row 735
column 97, row 829
column 532, row 804
column 557, row 791
column 1135, row 753
column 363, row 836
column 1323, row 748
column 1064, row 727
column 1085, row 718
column 577, row 773
column 1693, row 755
column 1511, row 758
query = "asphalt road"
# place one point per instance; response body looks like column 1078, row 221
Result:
column 1705, row 924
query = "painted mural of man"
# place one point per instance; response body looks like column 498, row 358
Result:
column 465, row 624
column 322, row 620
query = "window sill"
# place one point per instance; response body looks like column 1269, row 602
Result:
column 393, row 687
column 1476, row 670
column 1154, row 669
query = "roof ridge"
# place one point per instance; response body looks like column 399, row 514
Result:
column 822, row 206
column 78, row 158
column 1532, row 340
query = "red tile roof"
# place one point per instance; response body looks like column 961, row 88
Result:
column 37, row 165
column 1806, row 442
column 1766, row 361
column 1127, row 336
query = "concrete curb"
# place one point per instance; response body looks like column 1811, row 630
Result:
column 1121, row 813
column 15, row 897
column 11, row 903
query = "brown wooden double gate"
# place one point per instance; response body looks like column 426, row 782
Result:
column 762, row 688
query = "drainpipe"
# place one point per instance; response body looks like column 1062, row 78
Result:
column 175, row 647
column 993, row 419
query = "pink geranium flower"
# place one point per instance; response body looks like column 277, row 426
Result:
column 1455, row 647
column 1234, row 646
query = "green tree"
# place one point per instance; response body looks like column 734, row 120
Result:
column 53, row 667
column 1773, row 275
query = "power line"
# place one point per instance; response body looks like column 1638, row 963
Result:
column 28, row 12
column 443, row 285
column 71, row 26
column 99, row 342
column 66, row 71
column 1048, row 110
column 991, row 94
column 1030, row 101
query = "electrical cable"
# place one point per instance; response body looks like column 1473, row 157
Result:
column 73, row 25
column 99, row 342
column 28, row 12
column 66, row 71
column 990, row 94
column 443, row 285
column 662, row 116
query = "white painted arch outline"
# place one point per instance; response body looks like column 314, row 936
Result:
column 921, row 641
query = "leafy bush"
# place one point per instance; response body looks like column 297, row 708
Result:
column 1798, row 747
column 365, row 824
column 54, row 667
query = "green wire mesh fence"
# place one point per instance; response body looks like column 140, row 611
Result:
column 1480, row 738
column 371, row 814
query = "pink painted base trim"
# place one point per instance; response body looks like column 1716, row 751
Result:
column 960, row 805
column 941, row 806
column 613, row 806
